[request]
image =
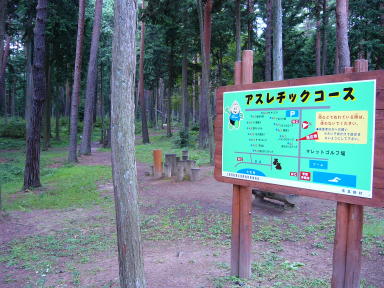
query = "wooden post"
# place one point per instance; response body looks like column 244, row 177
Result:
column 157, row 164
column 242, row 196
column 349, row 230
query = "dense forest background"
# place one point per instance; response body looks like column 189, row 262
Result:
column 172, row 56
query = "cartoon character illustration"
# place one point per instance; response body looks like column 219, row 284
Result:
column 234, row 115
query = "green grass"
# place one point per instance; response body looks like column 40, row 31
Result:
column 42, row 253
column 67, row 186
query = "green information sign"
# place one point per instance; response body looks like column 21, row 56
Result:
column 318, row 137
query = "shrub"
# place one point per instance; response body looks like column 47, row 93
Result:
column 13, row 129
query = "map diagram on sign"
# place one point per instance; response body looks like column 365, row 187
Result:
column 317, row 137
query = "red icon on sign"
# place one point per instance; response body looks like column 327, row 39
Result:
column 240, row 159
column 305, row 124
column 294, row 174
column 295, row 121
column 305, row 176
column 312, row 136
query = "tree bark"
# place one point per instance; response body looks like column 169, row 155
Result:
column 144, row 124
column 250, row 10
column 184, row 77
column 47, row 108
column 67, row 110
column 238, row 30
column 75, row 99
column 32, row 163
column 86, row 141
column 318, row 40
column 268, row 42
column 324, row 54
column 3, row 16
column 342, row 35
column 29, row 83
column 278, row 71
column 3, row 67
column 204, row 11
column 131, row 267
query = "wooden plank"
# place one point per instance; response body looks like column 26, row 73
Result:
column 353, row 257
column 247, row 67
column 237, row 72
column 340, row 245
column 235, row 241
column 245, row 232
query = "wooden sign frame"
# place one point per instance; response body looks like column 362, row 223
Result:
column 377, row 199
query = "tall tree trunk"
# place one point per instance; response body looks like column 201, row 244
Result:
column 250, row 10
column 32, row 163
column 131, row 267
column 29, row 83
column 57, row 113
column 342, row 34
column 3, row 67
column 86, row 141
column 318, row 40
column 102, row 103
column 170, row 90
column 3, row 16
column 13, row 96
column 324, row 54
column 278, row 70
column 75, row 99
column 268, row 42
column 204, row 11
column 184, row 77
column 67, row 110
column 47, row 109
column 238, row 30
column 144, row 124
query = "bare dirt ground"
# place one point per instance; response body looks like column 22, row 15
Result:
column 181, row 262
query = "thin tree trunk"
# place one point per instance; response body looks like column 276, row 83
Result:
column 102, row 103
column 204, row 11
column 324, row 54
column 144, row 124
column 29, row 83
column 32, row 163
column 47, row 109
column 318, row 41
column 3, row 67
column 342, row 35
column 86, row 141
column 268, row 42
column 170, row 91
column 185, row 94
column 57, row 114
column 131, row 267
column 278, row 73
column 67, row 110
column 75, row 99
column 238, row 30
column 250, row 10
column 3, row 16
column 13, row 96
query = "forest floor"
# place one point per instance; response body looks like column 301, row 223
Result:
column 186, row 228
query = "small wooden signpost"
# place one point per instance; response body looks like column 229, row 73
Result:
column 333, row 118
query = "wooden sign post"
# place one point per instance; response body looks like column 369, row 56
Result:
column 320, row 137
column 242, row 195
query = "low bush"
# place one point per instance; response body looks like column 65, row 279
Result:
column 13, row 129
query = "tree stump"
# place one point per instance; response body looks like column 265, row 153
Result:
column 170, row 160
column 180, row 174
column 184, row 155
column 167, row 171
column 195, row 174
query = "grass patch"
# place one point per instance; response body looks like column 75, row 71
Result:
column 42, row 253
column 183, row 221
column 67, row 186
